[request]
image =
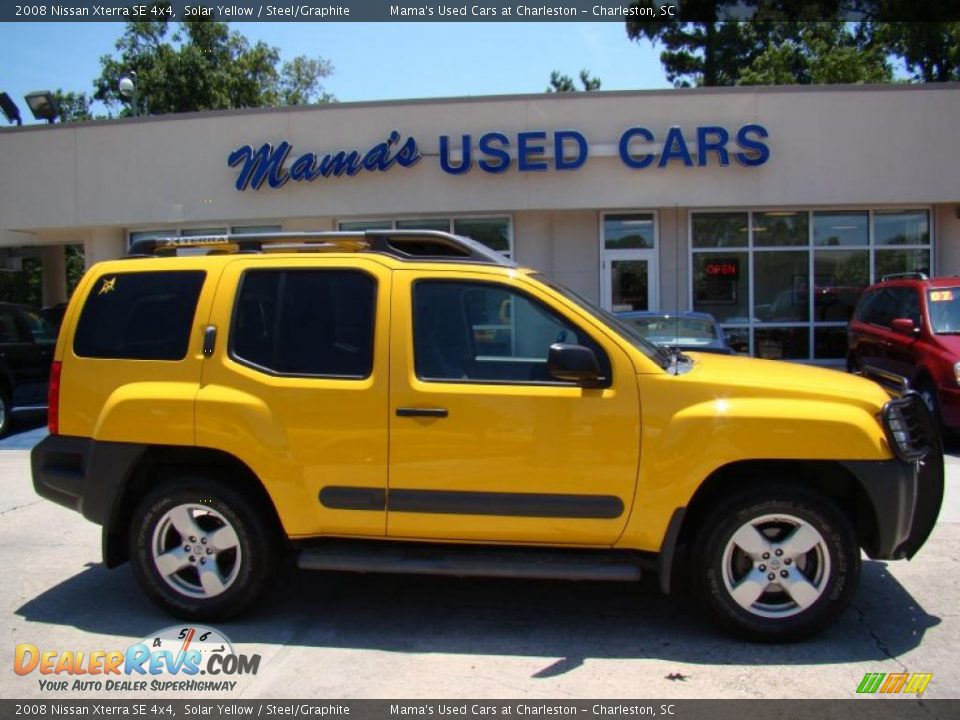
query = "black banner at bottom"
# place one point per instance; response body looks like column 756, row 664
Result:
column 895, row 708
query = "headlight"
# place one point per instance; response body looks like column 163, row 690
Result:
column 956, row 372
column 908, row 426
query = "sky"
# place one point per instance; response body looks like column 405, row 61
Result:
column 372, row 61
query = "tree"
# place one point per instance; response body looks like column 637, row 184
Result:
column 930, row 50
column 203, row 65
column 702, row 51
column 74, row 106
column 565, row 83
column 820, row 54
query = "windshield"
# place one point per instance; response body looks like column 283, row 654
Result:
column 628, row 332
column 944, row 311
column 663, row 328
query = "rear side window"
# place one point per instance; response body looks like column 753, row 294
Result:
column 139, row 316
column 306, row 322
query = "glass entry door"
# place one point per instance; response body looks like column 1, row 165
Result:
column 629, row 281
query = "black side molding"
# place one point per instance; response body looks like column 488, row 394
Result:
column 600, row 507
column 353, row 498
column 445, row 502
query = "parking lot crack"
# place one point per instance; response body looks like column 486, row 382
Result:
column 20, row 507
column 883, row 647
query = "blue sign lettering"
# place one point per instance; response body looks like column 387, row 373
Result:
column 757, row 152
column 638, row 163
column 266, row 164
column 269, row 164
column 562, row 160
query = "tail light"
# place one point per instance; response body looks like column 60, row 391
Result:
column 53, row 399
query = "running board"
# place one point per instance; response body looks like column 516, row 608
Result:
column 470, row 560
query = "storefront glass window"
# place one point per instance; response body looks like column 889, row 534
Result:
column 251, row 229
column 841, row 229
column 890, row 262
column 628, row 232
column 779, row 228
column 901, row 228
column 721, row 285
column 782, row 287
column 715, row 230
column 790, row 292
column 442, row 224
column 839, row 278
column 492, row 232
column 200, row 232
column 360, row 225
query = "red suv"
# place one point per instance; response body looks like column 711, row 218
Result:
column 905, row 333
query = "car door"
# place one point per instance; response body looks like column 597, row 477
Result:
column 24, row 362
column 903, row 350
column 298, row 387
column 38, row 343
column 484, row 444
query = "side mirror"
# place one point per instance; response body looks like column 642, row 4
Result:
column 904, row 326
column 573, row 363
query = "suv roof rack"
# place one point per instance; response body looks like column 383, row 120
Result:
column 904, row 276
column 410, row 245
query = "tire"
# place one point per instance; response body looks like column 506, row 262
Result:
column 5, row 414
column 853, row 365
column 745, row 534
column 200, row 550
column 928, row 392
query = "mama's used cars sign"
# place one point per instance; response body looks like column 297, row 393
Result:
column 497, row 152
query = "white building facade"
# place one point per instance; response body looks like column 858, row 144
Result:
column 768, row 207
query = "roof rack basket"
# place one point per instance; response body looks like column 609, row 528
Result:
column 409, row 245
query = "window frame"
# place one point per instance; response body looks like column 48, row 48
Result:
column 235, row 312
column 603, row 357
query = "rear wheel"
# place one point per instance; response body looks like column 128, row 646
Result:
column 200, row 549
column 776, row 565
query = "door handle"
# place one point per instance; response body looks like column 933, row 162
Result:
column 422, row 412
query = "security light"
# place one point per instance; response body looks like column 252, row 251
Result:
column 10, row 109
column 43, row 105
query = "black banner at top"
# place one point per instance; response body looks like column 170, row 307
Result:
column 640, row 11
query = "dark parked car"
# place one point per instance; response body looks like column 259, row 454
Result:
column 694, row 331
column 26, row 351
column 905, row 333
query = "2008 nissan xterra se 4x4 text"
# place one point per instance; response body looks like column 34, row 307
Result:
column 340, row 395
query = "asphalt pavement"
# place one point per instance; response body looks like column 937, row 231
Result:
column 328, row 635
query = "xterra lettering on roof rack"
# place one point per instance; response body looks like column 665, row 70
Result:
column 412, row 245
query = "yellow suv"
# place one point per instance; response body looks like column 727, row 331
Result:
column 413, row 402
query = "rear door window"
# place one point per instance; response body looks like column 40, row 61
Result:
column 306, row 322
column 139, row 316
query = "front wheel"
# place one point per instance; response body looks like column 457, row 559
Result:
column 200, row 549
column 776, row 565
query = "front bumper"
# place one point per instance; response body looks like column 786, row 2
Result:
column 904, row 498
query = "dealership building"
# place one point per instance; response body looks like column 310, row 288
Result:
column 768, row 207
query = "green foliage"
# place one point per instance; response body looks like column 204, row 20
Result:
column 203, row 65
column 819, row 54
column 74, row 107
column 930, row 50
column 565, row 83
column 803, row 41
column 26, row 286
